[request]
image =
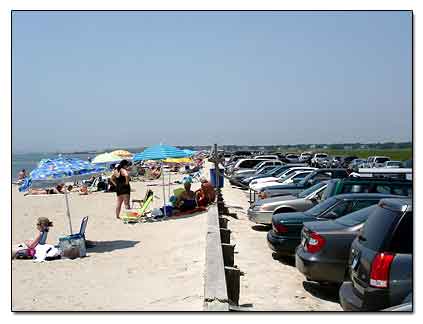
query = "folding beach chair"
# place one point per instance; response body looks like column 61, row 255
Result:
column 82, row 229
column 136, row 215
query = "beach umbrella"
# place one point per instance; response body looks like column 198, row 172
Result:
column 123, row 154
column 51, row 172
column 107, row 158
column 160, row 152
column 189, row 152
column 178, row 160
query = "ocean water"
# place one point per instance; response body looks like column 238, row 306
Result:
column 29, row 161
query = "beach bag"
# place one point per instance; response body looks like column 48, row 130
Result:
column 25, row 253
column 72, row 247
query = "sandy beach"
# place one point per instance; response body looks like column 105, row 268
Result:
column 142, row 267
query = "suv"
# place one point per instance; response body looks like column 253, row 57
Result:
column 378, row 161
column 381, row 259
column 319, row 159
column 244, row 164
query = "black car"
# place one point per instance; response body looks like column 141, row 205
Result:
column 285, row 235
column 325, row 247
column 381, row 259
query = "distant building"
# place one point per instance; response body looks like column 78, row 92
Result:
column 348, row 147
column 313, row 146
column 364, row 146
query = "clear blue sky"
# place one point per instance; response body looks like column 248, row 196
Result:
column 87, row 80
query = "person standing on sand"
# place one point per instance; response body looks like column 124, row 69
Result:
column 120, row 179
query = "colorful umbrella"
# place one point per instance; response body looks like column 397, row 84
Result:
column 178, row 160
column 160, row 152
column 107, row 158
column 54, row 171
column 123, row 154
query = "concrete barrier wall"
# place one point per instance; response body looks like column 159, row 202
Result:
column 215, row 291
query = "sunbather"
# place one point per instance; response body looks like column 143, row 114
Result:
column 43, row 225
column 58, row 189
column 22, row 174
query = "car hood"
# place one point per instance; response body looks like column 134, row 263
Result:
column 292, row 218
column 282, row 186
column 275, row 200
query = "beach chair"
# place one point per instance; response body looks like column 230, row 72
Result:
column 136, row 215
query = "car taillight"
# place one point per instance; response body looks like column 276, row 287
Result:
column 379, row 274
column 315, row 242
column 279, row 228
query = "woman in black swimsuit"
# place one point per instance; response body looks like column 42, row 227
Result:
column 120, row 179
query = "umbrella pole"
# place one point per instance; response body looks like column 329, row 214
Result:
column 164, row 192
column 67, row 209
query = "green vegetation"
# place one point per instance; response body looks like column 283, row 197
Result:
column 394, row 154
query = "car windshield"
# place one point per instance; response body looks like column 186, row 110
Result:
column 381, row 160
column 320, row 208
column 357, row 217
column 305, row 180
column 279, row 171
column 310, row 190
column 321, row 155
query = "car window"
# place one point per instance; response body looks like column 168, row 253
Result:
column 381, row 160
column 385, row 189
column 402, row 241
column 320, row 208
column 248, row 164
column 310, row 190
column 357, row 217
column 360, row 204
column 354, row 188
column 341, row 209
column 377, row 227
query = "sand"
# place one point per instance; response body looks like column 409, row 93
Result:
column 147, row 266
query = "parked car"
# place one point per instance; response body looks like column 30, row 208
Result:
column 381, row 259
column 392, row 164
column 305, row 157
column 262, row 210
column 407, row 164
column 285, row 235
column 269, row 157
column 325, row 247
column 318, row 159
column 292, row 158
column 347, row 160
column 397, row 187
column 274, row 174
column 244, row 164
column 316, row 176
column 336, row 162
column 357, row 163
column 257, row 184
column 237, row 178
column 378, row 161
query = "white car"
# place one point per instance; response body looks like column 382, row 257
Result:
column 289, row 179
column 280, row 176
column 305, row 156
column 269, row 157
column 319, row 158
column 379, row 161
column 392, row 164
column 258, row 166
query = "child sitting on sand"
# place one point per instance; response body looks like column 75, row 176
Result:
column 27, row 249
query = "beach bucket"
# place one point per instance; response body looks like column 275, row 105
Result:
column 213, row 178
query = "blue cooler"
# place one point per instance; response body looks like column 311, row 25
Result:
column 213, row 178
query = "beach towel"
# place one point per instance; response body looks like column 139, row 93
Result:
column 192, row 211
column 45, row 251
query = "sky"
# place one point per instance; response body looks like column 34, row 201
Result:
column 89, row 80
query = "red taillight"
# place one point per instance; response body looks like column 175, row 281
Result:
column 315, row 242
column 379, row 274
column 279, row 228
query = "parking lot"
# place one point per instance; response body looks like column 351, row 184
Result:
column 269, row 284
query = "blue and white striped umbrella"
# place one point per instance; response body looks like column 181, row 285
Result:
column 160, row 152
column 54, row 171
column 189, row 152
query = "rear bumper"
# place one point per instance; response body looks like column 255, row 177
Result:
column 282, row 244
column 372, row 300
column 260, row 217
column 316, row 269
column 349, row 301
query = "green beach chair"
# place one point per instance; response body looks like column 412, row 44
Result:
column 136, row 215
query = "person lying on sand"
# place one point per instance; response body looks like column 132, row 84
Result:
column 58, row 189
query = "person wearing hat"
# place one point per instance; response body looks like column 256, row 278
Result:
column 120, row 180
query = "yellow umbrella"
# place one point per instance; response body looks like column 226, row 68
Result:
column 106, row 158
column 179, row 160
column 122, row 153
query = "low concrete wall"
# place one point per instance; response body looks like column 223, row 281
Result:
column 215, row 291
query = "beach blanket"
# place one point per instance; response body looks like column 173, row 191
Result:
column 45, row 251
column 192, row 211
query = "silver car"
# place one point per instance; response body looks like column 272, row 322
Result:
column 261, row 211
